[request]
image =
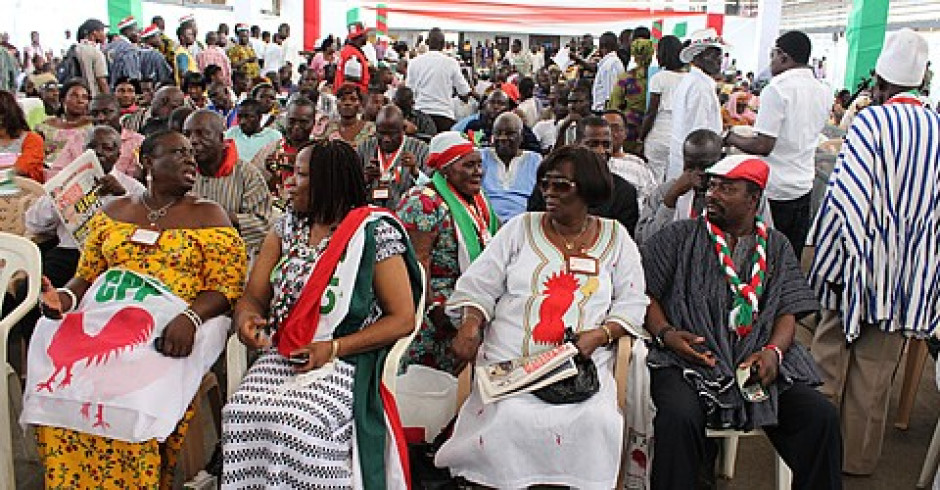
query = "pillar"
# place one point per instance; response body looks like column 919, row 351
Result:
column 119, row 9
column 865, row 33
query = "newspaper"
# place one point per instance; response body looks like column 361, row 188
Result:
column 507, row 378
column 74, row 193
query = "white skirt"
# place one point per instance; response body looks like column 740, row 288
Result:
column 278, row 435
column 522, row 441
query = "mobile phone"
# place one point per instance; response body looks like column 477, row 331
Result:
column 299, row 359
column 752, row 391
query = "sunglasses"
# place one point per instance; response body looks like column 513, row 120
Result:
column 560, row 185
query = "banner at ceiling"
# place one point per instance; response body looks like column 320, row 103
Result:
column 865, row 34
column 120, row 9
column 496, row 12
column 312, row 24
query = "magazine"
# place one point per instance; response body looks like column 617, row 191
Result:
column 526, row 374
column 74, row 193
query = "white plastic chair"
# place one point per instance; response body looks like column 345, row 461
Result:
column 17, row 254
column 932, row 460
column 393, row 360
column 729, row 453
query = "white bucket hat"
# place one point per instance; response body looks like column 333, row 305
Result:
column 903, row 60
column 699, row 41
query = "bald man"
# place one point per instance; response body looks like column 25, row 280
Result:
column 234, row 184
column 394, row 162
column 508, row 170
column 157, row 116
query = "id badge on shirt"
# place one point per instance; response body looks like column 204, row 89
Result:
column 381, row 193
column 145, row 236
column 583, row 264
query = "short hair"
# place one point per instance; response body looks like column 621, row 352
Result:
column 668, row 52
column 608, row 41
column 178, row 118
column 154, row 140
column 302, row 101
column 623, row 117
column 594, row 183
column 337, row 184
column 181, row 29
column 589, row 121
column 642, row 32
column 210, row 71
column 101, row 127
column 12, row 118
column 249, row 105
column 191, row 79
column 127, row 80
column 526, row 87
column 348, row 88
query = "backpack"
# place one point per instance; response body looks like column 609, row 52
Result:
column 70, row 67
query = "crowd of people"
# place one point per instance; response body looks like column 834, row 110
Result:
column 643, row 187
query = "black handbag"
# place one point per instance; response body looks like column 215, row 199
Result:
column 577, row 388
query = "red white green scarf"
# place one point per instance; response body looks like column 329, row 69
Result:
column 746, row 296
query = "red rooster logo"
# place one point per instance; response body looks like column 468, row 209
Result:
column 127, row 329
column 559, row 291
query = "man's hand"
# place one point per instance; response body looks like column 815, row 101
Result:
column 410, row 128
column 109, row 186
column 767, row 368
column 690, row 347
column 410, row 163
column 372, row 171
column 684, row 183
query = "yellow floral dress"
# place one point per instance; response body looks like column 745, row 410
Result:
column 239, row 53
column 188, row 261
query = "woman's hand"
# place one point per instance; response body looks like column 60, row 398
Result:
column 251, row 331
column 318, row 354
column 178, row 337
column 690, row 347
column 467, row 342
column 590, row 340
column 50, row 302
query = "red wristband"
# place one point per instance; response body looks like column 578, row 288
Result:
column 776, row 350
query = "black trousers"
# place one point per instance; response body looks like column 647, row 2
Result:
column 808, row 436
column 443, row 123
column 793, row 219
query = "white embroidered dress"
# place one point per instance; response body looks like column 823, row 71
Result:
column 521, row 285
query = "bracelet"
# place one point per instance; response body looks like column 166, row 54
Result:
column 68, row 292
column 193, row 317
column 606, row 329
column 334, row 351
column 777, row 351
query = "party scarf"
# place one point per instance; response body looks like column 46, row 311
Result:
column 746, row 296
column 469, row 227
column 229, row 159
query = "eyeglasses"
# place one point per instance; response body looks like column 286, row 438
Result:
column 560, row 185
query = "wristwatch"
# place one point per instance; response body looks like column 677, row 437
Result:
column 659, row 340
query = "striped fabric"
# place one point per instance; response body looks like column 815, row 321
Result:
column 213, row 55
column 244, row 194
column 876, row 235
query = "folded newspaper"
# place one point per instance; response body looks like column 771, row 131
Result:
column 526, row 374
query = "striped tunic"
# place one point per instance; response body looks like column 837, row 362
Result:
column 877, row 234
column 368, row 150
column 244, row 194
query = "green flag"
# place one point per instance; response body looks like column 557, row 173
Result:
column 679, row 29
column 352, row 15
column 865, row 34
column 118, row 10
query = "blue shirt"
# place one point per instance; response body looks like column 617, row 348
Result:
column 509, row 188
column 249, row 146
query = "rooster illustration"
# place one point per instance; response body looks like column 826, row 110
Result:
column 559, row 291
column 128, row 328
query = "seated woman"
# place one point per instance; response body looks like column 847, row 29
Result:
column 16, row 139
column 350, row 127
column 188, row 245
column 73, row 117
column 449, row 221
column 332, row 282
column 541, row 273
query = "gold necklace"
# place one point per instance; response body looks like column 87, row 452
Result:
column 569, row 245
column 153, row 215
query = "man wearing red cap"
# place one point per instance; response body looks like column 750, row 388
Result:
column 721, row 360
column 355, row 40
column 123, row 52
column 153, row 65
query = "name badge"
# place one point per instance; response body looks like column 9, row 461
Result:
column 145, row 236
column 381, row 194
column 583, row 264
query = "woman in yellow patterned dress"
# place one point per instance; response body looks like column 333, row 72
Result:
column 198, row 255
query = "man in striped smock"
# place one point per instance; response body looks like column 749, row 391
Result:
column 876, row 266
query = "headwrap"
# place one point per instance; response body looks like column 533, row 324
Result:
column 746, row 167
column 448, row 147
column 642, row 52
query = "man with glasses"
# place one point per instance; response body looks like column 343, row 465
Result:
column 794, row 107
column 508, row 170
column 695, row 102
column 594, row 133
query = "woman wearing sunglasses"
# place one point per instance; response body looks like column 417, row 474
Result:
column 542, row 273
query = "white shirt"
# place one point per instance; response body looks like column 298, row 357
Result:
column 608, row 71
column 546, row 131
column 433, row 76
column 794, row 107
column 257, row 45
column 42, row 219
column 664, row 83
column 635, row 171
column 273, row 57
column 694, row 106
